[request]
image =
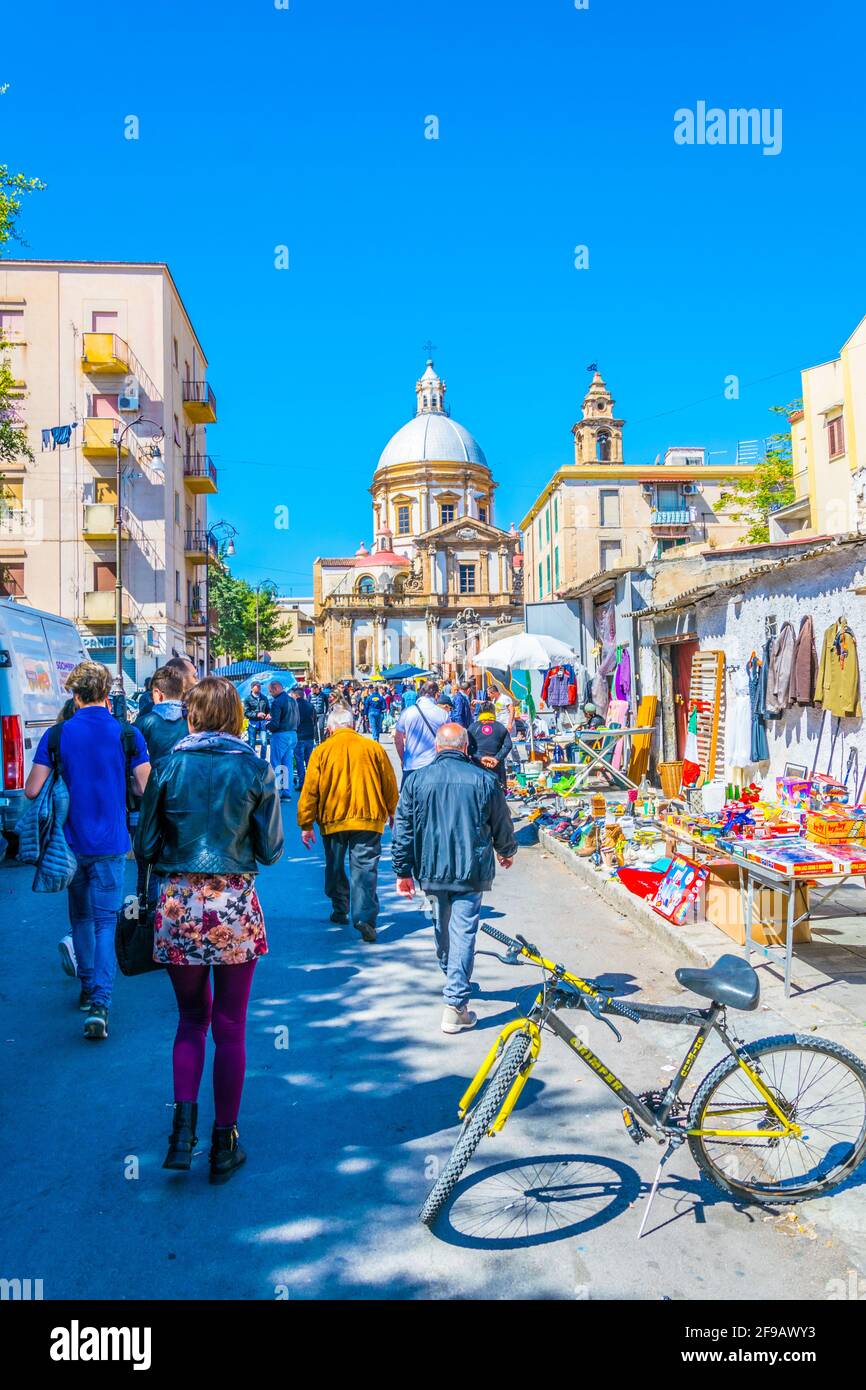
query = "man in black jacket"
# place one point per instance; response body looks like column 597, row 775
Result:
column 306, row 732
column 256, row 710
column 452, row 824
column 490, row 742
column 283, row 730
column 320, row 702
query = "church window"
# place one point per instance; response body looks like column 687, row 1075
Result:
column 602, row 447
column 446, row 512
column 366, row 585
column 403, row 521
column 608, row 507
column 363, row 648
column 482, row 513
column 467, row 579
column 425, row 402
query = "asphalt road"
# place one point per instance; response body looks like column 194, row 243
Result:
column 349, row 1107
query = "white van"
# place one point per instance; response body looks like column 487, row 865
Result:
column 37, row 652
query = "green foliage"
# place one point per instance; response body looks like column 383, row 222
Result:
column 234, row 601
column 751, row 500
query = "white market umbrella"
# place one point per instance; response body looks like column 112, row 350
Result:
column 526, row 651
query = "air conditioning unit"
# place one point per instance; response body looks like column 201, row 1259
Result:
column 689, row 489
column 129, row 396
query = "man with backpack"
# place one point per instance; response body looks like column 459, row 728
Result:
column 101, row 762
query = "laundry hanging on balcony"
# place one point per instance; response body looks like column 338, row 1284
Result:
column 57, row 435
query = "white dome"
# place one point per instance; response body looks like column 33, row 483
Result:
column 430, row 438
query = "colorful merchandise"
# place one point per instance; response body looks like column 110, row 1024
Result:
column 678, row 889
column 692, row 769
column 559, row 690
column 793, row 856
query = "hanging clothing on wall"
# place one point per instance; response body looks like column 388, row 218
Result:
column 600, row 693
column 738, row 734
column 779, row 674
column 837, row 686
column 759, row 750
column 57, row 435
column 804, row 670
column 622, row 677
column 765, row 672
column 559, row 689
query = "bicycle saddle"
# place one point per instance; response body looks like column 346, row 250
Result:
column 730, row 981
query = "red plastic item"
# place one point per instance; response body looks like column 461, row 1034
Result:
column 642, row 882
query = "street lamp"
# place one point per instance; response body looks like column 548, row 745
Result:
column 221, row 531
column 118, row 697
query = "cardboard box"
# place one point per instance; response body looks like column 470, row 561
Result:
column 833, row 825
column 725, row 909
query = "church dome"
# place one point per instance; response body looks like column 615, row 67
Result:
column 432, row 437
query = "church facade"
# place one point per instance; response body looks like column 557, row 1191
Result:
column 439, row 577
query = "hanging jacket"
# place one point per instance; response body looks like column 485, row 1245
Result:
column 41, row 840
column 837, row 687
column 779, row 675
column 765, row 671
column 560, row 687
column 804, row 670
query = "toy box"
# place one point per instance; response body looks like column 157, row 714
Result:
column 794, row 856
column 850, row 858
column 794, row 791
column 832, row 825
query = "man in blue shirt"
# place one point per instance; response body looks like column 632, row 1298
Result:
column 97, row 756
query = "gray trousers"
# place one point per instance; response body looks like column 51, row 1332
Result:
column 363, row 848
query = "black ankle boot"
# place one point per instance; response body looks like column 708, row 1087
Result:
column 183, row 1137
column 226, row 1153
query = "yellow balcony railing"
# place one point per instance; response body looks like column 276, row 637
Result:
column 99, row 607
column 104, row 352
column 199, row 402
column 98, row 437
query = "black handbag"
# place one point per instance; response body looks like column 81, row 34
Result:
column 133, row 940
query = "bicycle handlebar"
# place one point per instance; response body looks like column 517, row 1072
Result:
column 615, row 1006
column 501, row 937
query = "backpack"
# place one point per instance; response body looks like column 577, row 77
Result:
column 127, row 739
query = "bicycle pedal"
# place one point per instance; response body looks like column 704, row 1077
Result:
column 636, row 1134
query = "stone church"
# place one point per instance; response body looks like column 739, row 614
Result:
column 440, row 579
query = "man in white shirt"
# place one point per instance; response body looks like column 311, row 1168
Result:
column 415, row 734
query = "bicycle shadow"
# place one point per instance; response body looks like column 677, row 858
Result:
column 518, row 1204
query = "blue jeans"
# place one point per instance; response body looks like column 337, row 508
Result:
column 95, row 898
column 455, row 924
column 282, row 752
column 303, row 749
column 257, row 733
column 376, row 726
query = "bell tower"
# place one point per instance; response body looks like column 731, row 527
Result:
column 430, row 392
column 598, row 435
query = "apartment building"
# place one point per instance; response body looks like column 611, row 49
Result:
column 602, row 514
column 829, row 476
column 108, row 350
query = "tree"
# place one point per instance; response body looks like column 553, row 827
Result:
column 234, row 602
column 13, row 188
column 753, row 499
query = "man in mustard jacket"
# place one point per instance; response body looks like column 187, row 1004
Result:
column 350, row 791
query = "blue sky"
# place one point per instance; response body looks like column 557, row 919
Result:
column 262, row 127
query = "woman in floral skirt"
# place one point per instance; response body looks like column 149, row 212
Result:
column 209, row 818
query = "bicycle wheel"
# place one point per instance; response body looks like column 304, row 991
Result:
column 481, row 1117
column 818, row 1085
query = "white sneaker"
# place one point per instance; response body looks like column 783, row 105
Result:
column 67, row 956
column 457, row 1020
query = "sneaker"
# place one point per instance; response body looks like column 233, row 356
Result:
column 458, row 1020
column 67, row 956
column 341, row 918
column 367, row 930
column 96, row 1022
column 84, row 1001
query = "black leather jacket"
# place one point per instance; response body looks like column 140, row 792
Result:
column 210, row 810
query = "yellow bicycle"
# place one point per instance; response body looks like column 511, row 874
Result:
column 777, row 1120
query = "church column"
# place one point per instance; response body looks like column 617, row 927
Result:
column 432, row 570
column 466, row 494
column 504, row 585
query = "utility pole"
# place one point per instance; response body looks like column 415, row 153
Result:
column 118, row 695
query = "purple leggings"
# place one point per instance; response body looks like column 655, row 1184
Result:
column 225, row 1013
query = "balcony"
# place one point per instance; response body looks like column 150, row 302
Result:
column 104, row 353
column 99, row 607
column 98, row 438
column 199, row 402
column 198, row 546
column 196, row 620
column 100, row 522
column 672, row 522
column 199, row 473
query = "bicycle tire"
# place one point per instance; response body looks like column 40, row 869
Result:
column 784, row 1042
column 483, row 1114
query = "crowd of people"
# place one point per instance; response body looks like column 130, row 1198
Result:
column 195, row 785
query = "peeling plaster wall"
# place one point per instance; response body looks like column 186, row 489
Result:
column 735, row 623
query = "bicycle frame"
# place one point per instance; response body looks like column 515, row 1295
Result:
column 657, row 1122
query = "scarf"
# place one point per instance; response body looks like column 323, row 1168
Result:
column 211, row 738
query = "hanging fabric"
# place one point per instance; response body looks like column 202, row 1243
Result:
column 758, row 743
column 779, row 675
column 804, row 669
column 559, row 689
column 738, row 735
column 622, row 676
column 837, row 687
column 765, row 672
